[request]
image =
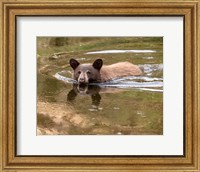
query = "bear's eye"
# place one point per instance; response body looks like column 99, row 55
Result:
column 79, row 72
column 88, row 72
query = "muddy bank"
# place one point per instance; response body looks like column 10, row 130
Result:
column 63, row 119
column 54, row 118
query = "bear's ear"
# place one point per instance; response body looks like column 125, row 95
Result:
column 73, row 63
column 98, row 64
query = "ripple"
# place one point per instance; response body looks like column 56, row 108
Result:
column 121, row 51
column 140, row 78
column 65, row 79
column 148, row 68
column 130, row 84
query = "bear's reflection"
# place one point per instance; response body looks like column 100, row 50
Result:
column 92, row 90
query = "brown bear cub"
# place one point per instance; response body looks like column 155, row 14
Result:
column 97, row 72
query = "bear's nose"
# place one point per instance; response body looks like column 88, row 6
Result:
column 81, row 80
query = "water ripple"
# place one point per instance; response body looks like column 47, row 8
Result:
column 121, row 51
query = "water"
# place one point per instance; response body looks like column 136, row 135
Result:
column 131, row 105
column 120, row 51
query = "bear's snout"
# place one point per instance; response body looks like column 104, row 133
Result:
column 83, row 79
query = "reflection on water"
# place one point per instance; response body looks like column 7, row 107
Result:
column 92, row 90
column 130, row 105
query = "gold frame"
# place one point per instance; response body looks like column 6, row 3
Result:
column 190, row 161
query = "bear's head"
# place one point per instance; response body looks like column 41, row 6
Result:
column 86, row 73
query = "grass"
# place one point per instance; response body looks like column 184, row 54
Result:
column 45, row 48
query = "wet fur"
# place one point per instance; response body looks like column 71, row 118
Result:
column 118, row 70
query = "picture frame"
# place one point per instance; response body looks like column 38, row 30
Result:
column 10, row 161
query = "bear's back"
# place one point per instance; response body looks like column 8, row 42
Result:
column 118, row 70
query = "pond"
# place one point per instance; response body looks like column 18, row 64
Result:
column 131, row 105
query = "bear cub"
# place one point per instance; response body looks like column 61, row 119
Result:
column 97, row 72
